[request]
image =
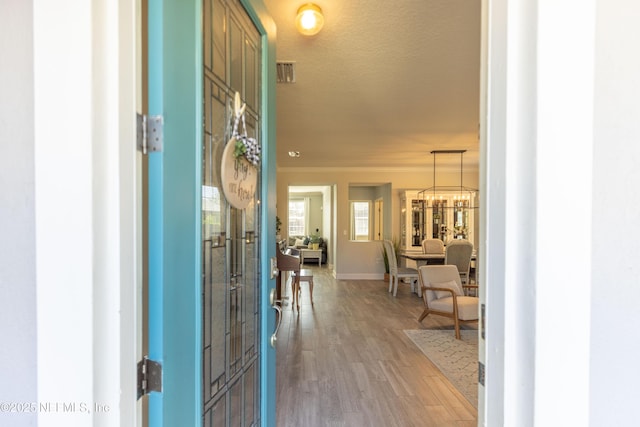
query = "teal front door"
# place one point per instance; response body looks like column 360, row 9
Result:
column 210, row 319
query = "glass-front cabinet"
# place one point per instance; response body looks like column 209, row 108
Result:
column 437, row 214
column 418, row 222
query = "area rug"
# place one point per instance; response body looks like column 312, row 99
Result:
column 456, row 359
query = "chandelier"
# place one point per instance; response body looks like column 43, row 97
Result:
column 448, row 208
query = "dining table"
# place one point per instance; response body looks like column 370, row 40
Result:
column 424, row 259
column 428, row 259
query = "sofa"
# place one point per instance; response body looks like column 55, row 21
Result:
column 302, row 242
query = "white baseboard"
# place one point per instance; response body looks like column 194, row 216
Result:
column 360, row 276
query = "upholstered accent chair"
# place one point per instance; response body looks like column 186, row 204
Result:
column 398, row 273
column 443, row 295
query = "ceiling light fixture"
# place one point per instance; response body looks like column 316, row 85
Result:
column 309, row 19
column 450, row 206
column 294, row 154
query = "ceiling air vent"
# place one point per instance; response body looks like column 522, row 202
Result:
column 286, row 71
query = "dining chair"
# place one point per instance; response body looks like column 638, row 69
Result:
column 432, row 246
column 397, row 273
column 290, row 263
column 459, row 253
column 443, row 295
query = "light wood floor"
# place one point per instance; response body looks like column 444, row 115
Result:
column 345, row 361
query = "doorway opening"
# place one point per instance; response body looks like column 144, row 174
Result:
column 309, row 215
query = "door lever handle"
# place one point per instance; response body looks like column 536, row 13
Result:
column 274, row 337
column 275, row 305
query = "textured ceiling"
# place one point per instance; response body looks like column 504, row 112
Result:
column 383, row 84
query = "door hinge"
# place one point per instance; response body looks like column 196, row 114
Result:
column 150, row 132
column 149, row 376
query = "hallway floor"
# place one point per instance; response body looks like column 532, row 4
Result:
column 345, row 361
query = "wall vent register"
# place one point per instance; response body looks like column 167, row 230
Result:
column 286, row 71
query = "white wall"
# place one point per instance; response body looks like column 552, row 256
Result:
column 315, row 210
column 67, row 253
column 328, row 232
column 17, row 213
column 615, row 339
column 64, row 207
column 562, row 121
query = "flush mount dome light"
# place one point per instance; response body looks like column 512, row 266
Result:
column 309, row 19
column 294, row 154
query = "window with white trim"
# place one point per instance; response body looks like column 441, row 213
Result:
column 360, row 220
column 298, row 217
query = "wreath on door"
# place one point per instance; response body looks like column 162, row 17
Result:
column 240, row 161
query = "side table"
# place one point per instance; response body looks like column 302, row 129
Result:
column 311, row 253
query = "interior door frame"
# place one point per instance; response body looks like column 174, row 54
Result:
column 175, row 326
column 378, row 233
column 267, row 29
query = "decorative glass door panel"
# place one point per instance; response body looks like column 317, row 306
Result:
column 418, row 222
column 230, row 236
column 461, row 218
column 439, row 220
